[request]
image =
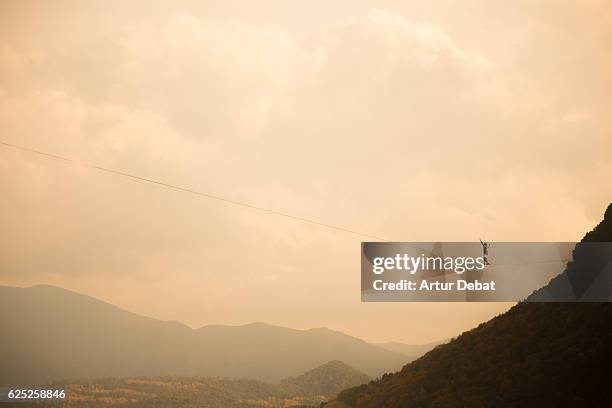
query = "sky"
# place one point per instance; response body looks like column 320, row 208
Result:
column 412, row 121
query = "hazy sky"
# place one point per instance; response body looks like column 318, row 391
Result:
column 415, row 121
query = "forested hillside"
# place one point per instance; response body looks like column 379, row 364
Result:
column 534, row 355
column 328, row 379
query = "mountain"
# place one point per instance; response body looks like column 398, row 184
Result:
column 51, row 333
column 588, row 277
column 534, row 355
column 327, row 380
column 412, row 351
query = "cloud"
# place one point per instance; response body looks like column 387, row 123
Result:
column 379, row 122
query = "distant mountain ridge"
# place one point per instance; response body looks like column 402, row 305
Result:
column 534, row 355
column 49, row 333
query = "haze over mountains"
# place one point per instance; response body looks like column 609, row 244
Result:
column 51, row 333
column 411, row 350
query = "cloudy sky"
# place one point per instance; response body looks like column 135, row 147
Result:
column 413, row 121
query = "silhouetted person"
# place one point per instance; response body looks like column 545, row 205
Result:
column 485, row 251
